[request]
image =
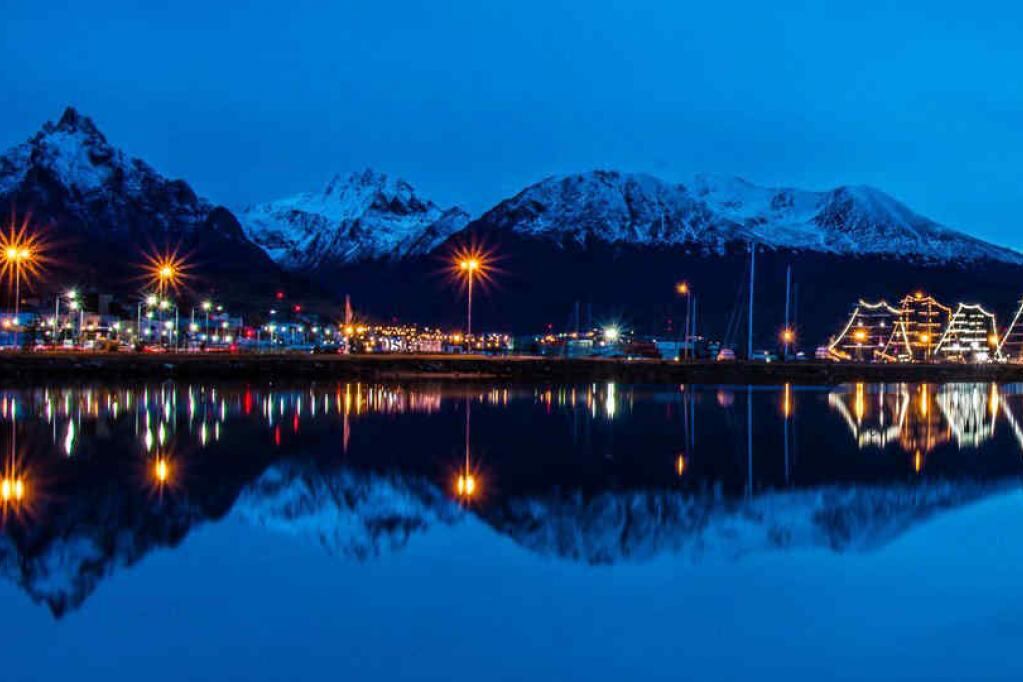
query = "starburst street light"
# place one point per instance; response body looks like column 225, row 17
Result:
column 683, row 289
column 471, row 264
column 166, row 270
column 22, row 255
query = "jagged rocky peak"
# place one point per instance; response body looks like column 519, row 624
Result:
column 364, row 215
column 72, row 157
column 711, row 211
column 112, row 208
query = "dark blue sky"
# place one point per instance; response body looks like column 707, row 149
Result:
column 473, row 100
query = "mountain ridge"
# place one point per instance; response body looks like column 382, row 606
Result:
column 108, row 210
column 365, row 215
column 713, row 211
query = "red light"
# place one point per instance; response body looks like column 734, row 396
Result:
column 298, row 308
column 280, row 295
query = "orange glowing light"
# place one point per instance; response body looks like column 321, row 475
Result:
column 992, row 339
column 925, row 338
column 162, row 471
column 465, row 485
column 13, row 490
column 682, row 288
column 167, row 270
column 472, row 263
column 788, row 335
column 22, row 252
column 680, row 465
column 860, row 335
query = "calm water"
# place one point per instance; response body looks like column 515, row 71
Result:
column 607, row 531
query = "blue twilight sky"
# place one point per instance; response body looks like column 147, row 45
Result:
column 471, row 101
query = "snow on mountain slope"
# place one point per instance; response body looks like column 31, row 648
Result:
column 361, row 514
column 109, row 209
column 362, row 216
column 614, row 527
column 347, row 512
column 70, row 163
column 712, row 212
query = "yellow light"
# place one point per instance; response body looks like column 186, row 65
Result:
column 680, row 465
column 13, row 489
column 471, row 263
column 992, row 339
column 22, row 254
column 925, row 338
column 682, row 288
column 860, row 335
column 918, row 294
column 465, row 485
column 165, row 270
column 161, row 470
column 788, row 336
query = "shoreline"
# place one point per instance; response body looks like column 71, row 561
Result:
column 20, row 367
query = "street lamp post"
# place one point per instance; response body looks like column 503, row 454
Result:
column 469, row 266
column 14, row 256
column 683, row 289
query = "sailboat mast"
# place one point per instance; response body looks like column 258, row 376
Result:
column 752, row 288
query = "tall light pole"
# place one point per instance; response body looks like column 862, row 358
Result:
column 14, row 255
column 206, row 306
column 72, row 298
column 683, row 289
column 470, row 267
column 21, row 255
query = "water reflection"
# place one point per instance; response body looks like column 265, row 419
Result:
column 599, row 472
column 920, row 418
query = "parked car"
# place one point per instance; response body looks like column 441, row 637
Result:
column 726, row 355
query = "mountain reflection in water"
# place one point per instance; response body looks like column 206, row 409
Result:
column 96, row 478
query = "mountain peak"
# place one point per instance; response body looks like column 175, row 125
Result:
column 712, row 211
column 362, row 215
column 71, row 122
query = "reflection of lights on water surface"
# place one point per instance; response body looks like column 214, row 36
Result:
column 465, row 485
column 921, row 418
column 161, row 470
column 12, row 489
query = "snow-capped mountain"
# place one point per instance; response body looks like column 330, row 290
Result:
column 709, row 213
column 109, row 209
column 362, row 216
